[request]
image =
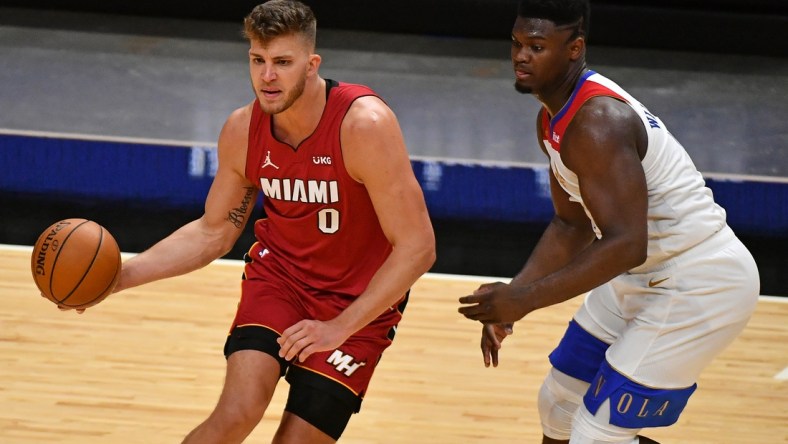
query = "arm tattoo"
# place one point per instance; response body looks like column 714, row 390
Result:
column 237, row 216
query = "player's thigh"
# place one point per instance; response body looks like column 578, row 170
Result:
column 328, row 387
column 249, row 384
column 602, row 314
column 268, row 306
column 667, row 324
column 678, row 327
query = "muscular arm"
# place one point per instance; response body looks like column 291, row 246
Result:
column 375, row 155
column 568, row 233
column 603, row 146
column 228, row 206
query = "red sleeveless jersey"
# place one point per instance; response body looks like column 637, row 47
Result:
column 320, row 225
column 553, row 128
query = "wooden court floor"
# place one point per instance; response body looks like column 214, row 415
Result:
column 145, row 366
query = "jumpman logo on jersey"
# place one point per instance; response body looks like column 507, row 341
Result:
column 268, row 161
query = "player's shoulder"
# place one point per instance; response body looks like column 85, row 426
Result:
column 241, row 116
column 604, row 112
column 352, row 88
column 238, row 120
column 367, row 112
column 602, row 125
column 235, row 131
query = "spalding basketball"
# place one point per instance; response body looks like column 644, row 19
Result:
column 76, row 263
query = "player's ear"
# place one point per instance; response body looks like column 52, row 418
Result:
column 314, row 63
column 577, row 47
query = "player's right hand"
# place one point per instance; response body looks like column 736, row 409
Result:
column 79, row 310
column 62, row 308
column 492, row 336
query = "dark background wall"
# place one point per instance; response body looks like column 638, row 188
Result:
column 724, row 26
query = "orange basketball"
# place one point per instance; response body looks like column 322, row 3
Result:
column 76, row 263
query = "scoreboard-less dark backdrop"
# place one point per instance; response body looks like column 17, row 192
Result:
column 725, row 26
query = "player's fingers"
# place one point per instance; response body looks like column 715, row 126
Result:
column 479, row 312
column 490, row 332
column 488, row 288
column 471, row 313
column 289, row 331
column 471, row 299
column 481, row 317
column 306, row 352
column 64, row 308
column 484, row 288
column 286, row 347
column 289, row 338
column 296, row 347
column 490, row 352
column 486, row 354
column 471, row 309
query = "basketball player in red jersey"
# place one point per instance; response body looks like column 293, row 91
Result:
column 669, row 284
column 346, row 235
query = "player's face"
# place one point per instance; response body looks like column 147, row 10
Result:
column 279, row 69
column 541, row 54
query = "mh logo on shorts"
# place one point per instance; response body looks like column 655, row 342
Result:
column 344, row 363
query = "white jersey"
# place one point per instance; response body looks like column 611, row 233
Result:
column 665, row 320
column 681, row 210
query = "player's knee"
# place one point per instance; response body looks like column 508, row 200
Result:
column 237, row 419
column 326, row 412
column 559, row 398
column 588, row 428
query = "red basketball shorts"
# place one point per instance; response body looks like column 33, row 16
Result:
column 271, row 302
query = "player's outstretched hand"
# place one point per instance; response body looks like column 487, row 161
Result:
column 78, row 310
column 494, row 303
column 63, row 308
column 492, row 336
column 308, row 336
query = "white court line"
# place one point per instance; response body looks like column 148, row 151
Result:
column 783, row 375
column 439, row 276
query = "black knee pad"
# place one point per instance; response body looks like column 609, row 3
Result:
column 320, row 401
column 255, row 337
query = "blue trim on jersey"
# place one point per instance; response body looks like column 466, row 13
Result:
column 568, row 103
column 579, row 354
column 632, row 405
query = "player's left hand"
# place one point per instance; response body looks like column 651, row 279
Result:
column 495, row 303
column 309, row 336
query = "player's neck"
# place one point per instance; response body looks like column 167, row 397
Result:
column 555, row 99
column 299, row 121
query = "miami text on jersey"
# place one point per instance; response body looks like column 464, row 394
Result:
column 299, row 190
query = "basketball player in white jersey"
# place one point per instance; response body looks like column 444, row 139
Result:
column 670, row 284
